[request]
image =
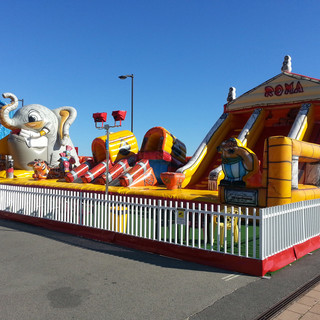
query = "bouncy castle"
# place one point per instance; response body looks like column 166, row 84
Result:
column 247, row 200
column 263, row 151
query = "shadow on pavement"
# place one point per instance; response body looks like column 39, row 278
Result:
column 107, row 248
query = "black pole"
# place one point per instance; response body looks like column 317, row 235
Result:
column 125, row 77
column 132, row 103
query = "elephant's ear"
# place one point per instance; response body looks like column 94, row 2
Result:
column 66, row 116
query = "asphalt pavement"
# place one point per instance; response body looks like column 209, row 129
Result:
column 51, row 275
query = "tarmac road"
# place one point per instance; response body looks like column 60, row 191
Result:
column 50, row 275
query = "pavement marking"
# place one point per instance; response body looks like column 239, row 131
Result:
column 230, row 277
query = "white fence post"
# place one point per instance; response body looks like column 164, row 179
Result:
column 261, row 234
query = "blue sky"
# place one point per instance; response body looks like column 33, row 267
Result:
column 184, row 56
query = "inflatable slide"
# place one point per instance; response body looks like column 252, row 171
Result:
column 252, row 122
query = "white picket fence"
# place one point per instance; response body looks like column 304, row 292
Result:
column 253, row 233
column 288, row 225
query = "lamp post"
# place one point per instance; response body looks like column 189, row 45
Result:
column 107, row 128
column 125, row 77
column 99, row 119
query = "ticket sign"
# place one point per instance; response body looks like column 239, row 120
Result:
column 181, row 216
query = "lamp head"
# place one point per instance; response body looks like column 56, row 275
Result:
column 126, row 76
column 99, row 119
column 119, row 115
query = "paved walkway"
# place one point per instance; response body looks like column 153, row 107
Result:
column 50, row 275
column 306, row 307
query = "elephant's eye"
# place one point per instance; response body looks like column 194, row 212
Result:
column 33, row 116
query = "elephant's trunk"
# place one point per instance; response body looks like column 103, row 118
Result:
column 5, row 119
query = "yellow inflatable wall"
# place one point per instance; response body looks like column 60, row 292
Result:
column 278, row 173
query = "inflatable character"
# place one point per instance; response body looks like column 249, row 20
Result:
column 41, row 169
column 37, row 132
column 66, row 160
column 238, row 163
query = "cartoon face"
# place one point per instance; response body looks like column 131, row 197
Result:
column 228, row 148
column 34, row 118
column 40, row 166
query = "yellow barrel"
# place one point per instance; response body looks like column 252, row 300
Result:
column 122, row 144
column 119, row 221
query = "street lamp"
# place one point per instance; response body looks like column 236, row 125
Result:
column 125, row 77
column 100, row 119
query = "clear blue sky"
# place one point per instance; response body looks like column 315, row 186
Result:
column 184, row 54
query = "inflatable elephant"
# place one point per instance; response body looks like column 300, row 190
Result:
column 37, row 132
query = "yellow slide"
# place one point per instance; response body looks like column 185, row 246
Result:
column 207, row 158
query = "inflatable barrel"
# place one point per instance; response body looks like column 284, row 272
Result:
column 140, row 168
column 146, row 179
column 119, row 168
column 95, row 172
column 159, row 143
column 122, row 144
column 79, row 171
